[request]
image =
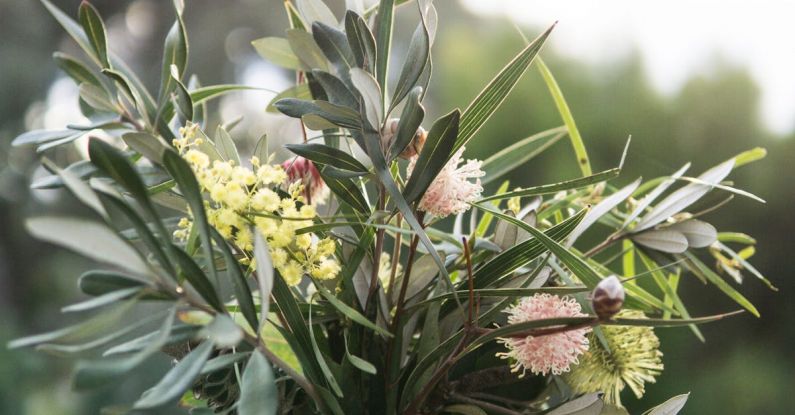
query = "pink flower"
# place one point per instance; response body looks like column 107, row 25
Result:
column 304, row 171
column 549, row 353
column 451, row 191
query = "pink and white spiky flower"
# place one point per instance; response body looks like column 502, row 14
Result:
column 451, row 191
column 551, row 353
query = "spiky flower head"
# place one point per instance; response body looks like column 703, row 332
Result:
column 551, row 353
column 634, row 359
column 303, row 171
column 451, row 191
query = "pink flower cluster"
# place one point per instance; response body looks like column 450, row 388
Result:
column 553, row 353
column 451, row 191
column 304, row 171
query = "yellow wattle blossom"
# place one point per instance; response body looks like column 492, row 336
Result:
column 240, row 197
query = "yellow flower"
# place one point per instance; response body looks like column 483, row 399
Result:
column 235, row 197
column 197, row 159
column 279, row 257
column 265, row 200
column 326, row 270
column 292, row 273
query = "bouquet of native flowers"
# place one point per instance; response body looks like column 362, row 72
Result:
column 325, row 283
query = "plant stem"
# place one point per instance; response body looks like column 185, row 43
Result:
column 379, row 248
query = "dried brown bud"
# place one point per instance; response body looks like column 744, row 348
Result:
column 608, row 297
column 413, row 148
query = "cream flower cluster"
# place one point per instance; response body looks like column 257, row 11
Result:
column 239, row 197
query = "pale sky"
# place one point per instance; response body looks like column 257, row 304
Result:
column 676, row 39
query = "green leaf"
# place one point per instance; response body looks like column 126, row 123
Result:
column 384, row 26
column 416, row 57
column 95, row 32
column 502, row 293
column 100, row 282
column 671, row 406
column 242, row 291
column 662, row 240
column 697, row 267
column 80, row 189
column 261, row 148
column 150, row 146
column 102, row 300
column 97, row 98
column 226, row 146
column 223, row 332
column 86, row 329
column 361, row 41
column 134, row 95
column 335, row 114
column 346, row 190
column 577, row 265
column 175, row 52
column 40, row 136
column 90, row 239
column 670, row 292
column 519, row 153
column 568, row 119
column 75, row 69
column 654, row 194
column 439, row 146
column 684, row 197
column 351, row 313
column 258, row 392
column 306, row 49
column 89, row 374
column 410, row 120
column 316, row 11
column 699, row 234
column 556, row 187
column 265, row 275
column 749, row 156
column 660, row 322
column 371, row 95
column 180, row 97
column 590, row 404
column 177, row 380
column 496, row 91
column 519, row 255
column 179, row 169
column 323, row 154
column 334, row 45
column 464, row 409
column 198, row 279
column 338, row 93
column 602, row 208
column 300, row 91
column 277, row 51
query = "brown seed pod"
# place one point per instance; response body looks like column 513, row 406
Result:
column 608, row 297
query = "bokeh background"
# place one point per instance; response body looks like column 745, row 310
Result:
column 699, row 81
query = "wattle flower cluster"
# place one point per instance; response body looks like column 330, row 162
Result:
column 552, row 353
column 451, row 191
column 239, row 197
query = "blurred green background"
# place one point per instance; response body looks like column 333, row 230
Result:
column 747, row 364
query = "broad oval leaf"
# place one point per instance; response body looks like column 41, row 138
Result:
column 306, row 49
column 654, row 194
column 75, row 69
column 371, row 95
column 258, row 393
column 361, row 41
column 90, row 239
column 699, row 234
column 416, row 58
column 664, row 240
column 590, row 404
column 277, row 51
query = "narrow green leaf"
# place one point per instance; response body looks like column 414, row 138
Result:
column 300, row 91
column 306, row 49
column 321, row 360
column 335, row 114
column 100, row 282
column 556, row 187
column 698, row 267
column 177, row 380
column 97, row 98
column 439, row 147
column 95, row 32
column 179, row 169
column 242, row 291
column 352, row 314
column 384, row 26
column 323, row 154
column 568, row 119
column 198, row 279
column 175, row 52
column 226, row 146
column 346, row 190
column 334, row 45
column 265, row 275
column 416, row 57
column 371, row 94
column 496, row 91
column 316, row 11
column 361, row 41
column 258, row 392
column 671, row 406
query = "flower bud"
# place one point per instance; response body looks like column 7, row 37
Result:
column 304, row 171
column 608, row 297
column 413, row 148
